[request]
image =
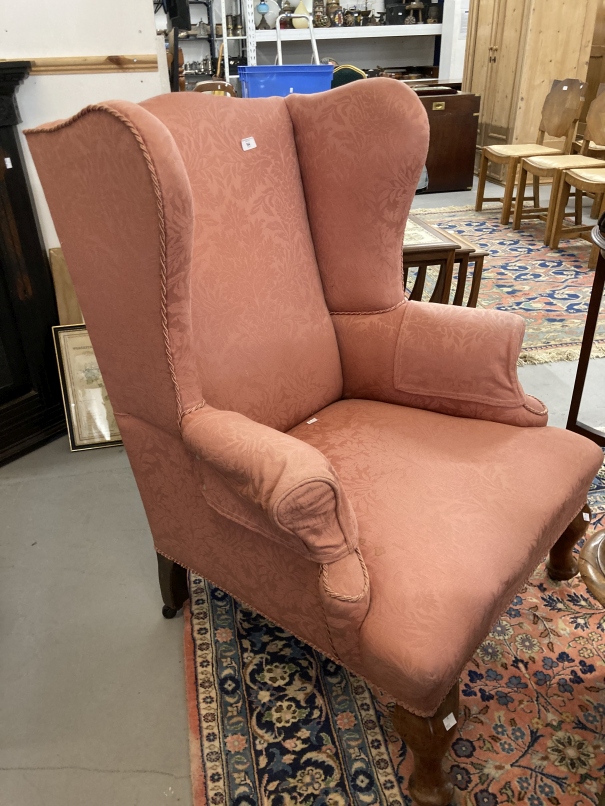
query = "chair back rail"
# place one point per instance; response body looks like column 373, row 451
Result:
column 595, row 122
column 561, row 110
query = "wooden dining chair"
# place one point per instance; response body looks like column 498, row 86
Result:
column 591, row 150
column 216, row 87
column 553, row 166
column 560, row 115
column 589, row 181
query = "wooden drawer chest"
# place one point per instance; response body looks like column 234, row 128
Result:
column 451, row 158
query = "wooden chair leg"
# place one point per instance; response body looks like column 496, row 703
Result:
column 536, row 192
column 559, row 216
column 429, row 740
column 596, row 205
column 484, row 164
column 578, row 206
column 476, row 283
column 561, row 563
column 593, row 257
column 520, row 196
column 550, row 217
column 509, row 189
column 173, row 585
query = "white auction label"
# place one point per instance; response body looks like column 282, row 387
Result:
column 449, row 721
column 248, row 143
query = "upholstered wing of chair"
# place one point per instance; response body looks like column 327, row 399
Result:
column 365, row 471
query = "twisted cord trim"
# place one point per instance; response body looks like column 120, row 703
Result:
column 535, row 411
column 368, row 313
column 192, row 409
column 161, row 221
column 342, row 597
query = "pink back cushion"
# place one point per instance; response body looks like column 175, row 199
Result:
column 361, row 149
column 259, row 317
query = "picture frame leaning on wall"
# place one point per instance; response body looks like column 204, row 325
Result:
column 88, row 411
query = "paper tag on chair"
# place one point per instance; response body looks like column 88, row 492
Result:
column 586, row 516
column 248, row 143
column 449, row 721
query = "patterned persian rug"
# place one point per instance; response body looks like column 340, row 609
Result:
column 275, row 723
column 548, row 288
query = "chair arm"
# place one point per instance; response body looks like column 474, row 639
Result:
column 444, row 358
column 272, row 483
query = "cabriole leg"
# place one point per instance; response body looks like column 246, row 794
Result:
column 561, row 563
column 173, row 585
column 429, row 740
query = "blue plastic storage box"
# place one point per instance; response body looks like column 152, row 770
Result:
column 263, row 81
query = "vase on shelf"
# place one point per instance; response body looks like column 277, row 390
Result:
column 286, row 8
column 320, row 18
column 301, row 9
column 335, row 13
column 263, row 10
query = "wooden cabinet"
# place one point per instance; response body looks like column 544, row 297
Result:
column 515, row 50
column 31, row 411
column 451, row 158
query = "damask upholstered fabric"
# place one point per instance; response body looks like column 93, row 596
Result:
column 453, row 514
column 437, row 357
column 105, row 205
column 256, row 471
column 361, row 150
column 286, row 454
column 264, row 335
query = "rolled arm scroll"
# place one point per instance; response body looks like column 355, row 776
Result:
column 272, row 483
column 444, row 358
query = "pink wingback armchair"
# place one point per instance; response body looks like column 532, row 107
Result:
column 365, row 471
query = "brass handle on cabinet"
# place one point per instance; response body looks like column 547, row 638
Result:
column 438, row 106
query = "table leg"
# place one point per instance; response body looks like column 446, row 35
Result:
column 461, row 284
column 447, row 280
column 416, row 294
column 476, row 283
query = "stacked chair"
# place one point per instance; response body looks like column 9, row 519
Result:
column 560, row 115
column 588, row 180
column 555, row 166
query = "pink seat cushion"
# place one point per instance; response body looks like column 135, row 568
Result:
column 453, row 515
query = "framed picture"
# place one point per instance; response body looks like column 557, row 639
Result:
column 90, row 419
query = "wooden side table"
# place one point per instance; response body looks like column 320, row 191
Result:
column 464, row 258
column 425, row 245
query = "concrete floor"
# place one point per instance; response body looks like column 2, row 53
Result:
column 92, row 702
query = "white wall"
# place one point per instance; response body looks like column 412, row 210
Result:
column 453, row 40
column 55, row 28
